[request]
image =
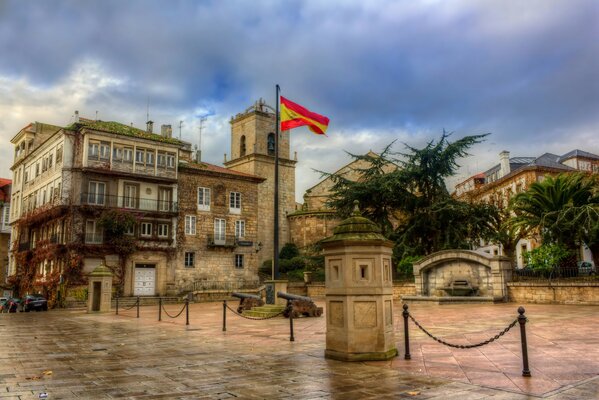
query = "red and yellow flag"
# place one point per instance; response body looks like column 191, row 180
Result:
column 293, row 115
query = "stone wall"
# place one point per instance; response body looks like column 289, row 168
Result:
column 401, row 289
column 308, row 227
column 216, row 263
column 556, row 293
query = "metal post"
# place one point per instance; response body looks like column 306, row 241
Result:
column 186, row 311
column 224, row 315
column 160, row 309
column 406, row 334
column 117, row 305
column 290, row 307
column 137, row 306
column 522, row 321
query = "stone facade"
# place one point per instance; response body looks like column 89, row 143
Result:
column 252, row 152
column 215, row 260
column 309, row 227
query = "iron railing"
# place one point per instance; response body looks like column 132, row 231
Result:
column 581, row 273
column 103, row 200
column 222, row 240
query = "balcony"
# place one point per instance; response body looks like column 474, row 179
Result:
column 92, row 199
column 222, row 241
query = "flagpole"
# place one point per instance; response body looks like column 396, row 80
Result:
column 276, row 199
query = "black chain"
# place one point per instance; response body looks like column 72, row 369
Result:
column 134, row 304
column 254, row 318
column 180, row 312
column 465, row 346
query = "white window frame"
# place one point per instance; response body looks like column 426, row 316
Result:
column 94, row 197
column 130, row 230
column 104, row 151
column 140, row 156
column 204, row 199
column 165, row 196
column 93, row 235
column 144, row 227
column 163, row 230
column 117, row 153
column 130, row 196
column 93, row 150
column 189, row 260
column 127, row 154
column 239, row 261
column 240, row 229
column 235, row 202
column 149, row 158
column 170, row 160
column 161, row 160
column 190, row 224
column 220, row 231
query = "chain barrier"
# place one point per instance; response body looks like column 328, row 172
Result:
column 254, row 318
column 464, row 346
column 130, row 308
column 176, row 316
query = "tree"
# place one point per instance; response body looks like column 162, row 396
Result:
column 561, row 209
column 405, row 194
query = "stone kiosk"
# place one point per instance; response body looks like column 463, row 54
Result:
column 99, row 289
column 359, row 292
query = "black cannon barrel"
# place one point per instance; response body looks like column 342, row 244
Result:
column 245, row 296
column 289, row 296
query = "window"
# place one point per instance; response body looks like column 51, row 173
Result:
column 44, row 164
column 139, row 156
column 37, row 169
column 93, row 150
column 170, row 160
column 270, row 143
column 58, row 154
column 235, row 203
column 149, row 157
column 127, row 154
column 146, row 229
column 220, row 226
column 130, row 197
column 239, row 229
column 161, row 159
column 105, row 151
column 130, row 230
column 165, row 196
column 117, row 154
column 239, row 261
column 190, row 225
column 190, row 258
column 163, row 230
column 95, row 193
column 204, row 199
column 93, row 232
column 50, row 161
column 242, row 148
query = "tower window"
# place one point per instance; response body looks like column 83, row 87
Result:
column 242, row 147
column 271, row 144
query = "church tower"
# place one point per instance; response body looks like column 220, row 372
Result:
column 253, row 152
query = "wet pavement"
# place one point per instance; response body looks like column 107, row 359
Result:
column 71, row 354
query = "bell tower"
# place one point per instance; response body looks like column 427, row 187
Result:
column 253, row 152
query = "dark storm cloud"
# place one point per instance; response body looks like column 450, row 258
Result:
column 521, row 70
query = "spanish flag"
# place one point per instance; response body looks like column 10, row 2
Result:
column 293, row 115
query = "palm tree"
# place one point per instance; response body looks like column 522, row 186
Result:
column 562, row 210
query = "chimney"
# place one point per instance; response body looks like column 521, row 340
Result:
column 150, row 126
column 198, row 156
column 166, row 131
column 76, row 116
column 504, row 163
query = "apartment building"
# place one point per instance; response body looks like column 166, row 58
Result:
column 65, row 181
column 513, row 175
column 5, row 187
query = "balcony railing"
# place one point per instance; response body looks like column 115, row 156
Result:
column 94, row 199
column 94, row 237
column 222, row 241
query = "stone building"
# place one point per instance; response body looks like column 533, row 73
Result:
column 217, row 233
column 5, row 187
column 253, row 153
column 513, row 175
column 67, row 178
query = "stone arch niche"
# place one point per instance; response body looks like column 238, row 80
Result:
column 484, row 275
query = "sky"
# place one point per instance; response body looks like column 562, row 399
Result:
column 387, row 70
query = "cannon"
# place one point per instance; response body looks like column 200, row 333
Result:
column 299, row 305
column 247, row 301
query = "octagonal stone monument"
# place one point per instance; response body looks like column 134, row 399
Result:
column 359, row 292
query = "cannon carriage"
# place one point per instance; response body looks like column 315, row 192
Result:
column 299, row 305
column 247, row 301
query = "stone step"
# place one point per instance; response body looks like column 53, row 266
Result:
column 265, row 311
column 145, row 301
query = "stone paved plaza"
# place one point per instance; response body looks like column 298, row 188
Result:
column 71, row 354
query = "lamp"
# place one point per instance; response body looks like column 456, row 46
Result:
column 258, row 247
